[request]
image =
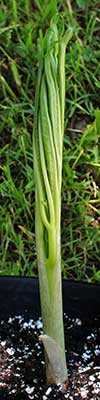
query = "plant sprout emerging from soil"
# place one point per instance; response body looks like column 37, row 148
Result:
column 47, row 147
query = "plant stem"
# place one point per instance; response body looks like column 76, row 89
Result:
column 51, row 298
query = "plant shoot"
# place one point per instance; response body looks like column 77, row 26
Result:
column 47, row 148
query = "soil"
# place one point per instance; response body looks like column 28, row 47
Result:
column 22, row 366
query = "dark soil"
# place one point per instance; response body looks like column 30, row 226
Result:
column 22, row 367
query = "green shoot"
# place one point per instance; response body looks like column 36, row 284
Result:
column 47, row 148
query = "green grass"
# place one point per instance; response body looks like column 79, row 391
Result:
column 21, row 22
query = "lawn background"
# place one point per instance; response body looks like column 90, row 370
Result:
column 21, row 22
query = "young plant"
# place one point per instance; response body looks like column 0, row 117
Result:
column 47, row 148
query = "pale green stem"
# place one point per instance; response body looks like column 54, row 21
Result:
column 51, row 300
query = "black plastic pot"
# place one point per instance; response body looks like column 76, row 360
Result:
column 20, row 296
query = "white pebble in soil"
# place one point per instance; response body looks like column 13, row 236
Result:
column 48, row 391
column 29, row 389
column 10, row 351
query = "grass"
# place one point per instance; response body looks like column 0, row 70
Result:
column 21, row 23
